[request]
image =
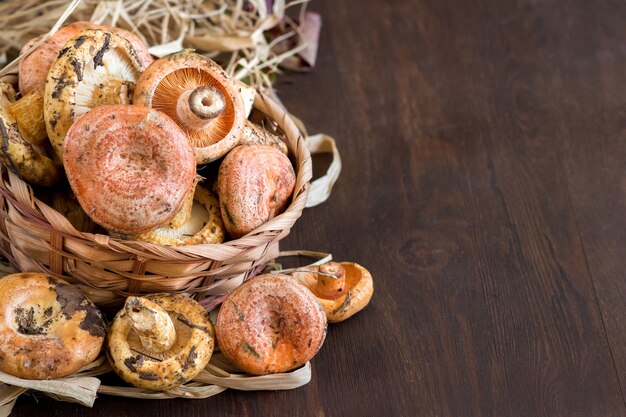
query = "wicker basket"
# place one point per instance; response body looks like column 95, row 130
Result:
column 35, row 237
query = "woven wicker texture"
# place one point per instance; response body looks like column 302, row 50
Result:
column 35, row 237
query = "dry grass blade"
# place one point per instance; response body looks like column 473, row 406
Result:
column 231, row 32
column 82, row 386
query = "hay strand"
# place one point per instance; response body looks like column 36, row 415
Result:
column 231, row 32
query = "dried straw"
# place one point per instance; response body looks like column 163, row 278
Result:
column 83, row 386
column 229, row 31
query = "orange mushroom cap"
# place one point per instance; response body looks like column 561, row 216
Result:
column 343, row 288
column 254, row 183
column 270, row 324
column 130, row 167
column 198, row 95
column 48, row 328
column 33, row 69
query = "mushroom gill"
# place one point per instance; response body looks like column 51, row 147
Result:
column 93, row 69
column 174, row 97
column 200, row 97
column 204, row 226
column 112, row 82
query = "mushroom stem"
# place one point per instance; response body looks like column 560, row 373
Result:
column 196, row 108
column 152, row 324
column 331, row 281
column 113, row 92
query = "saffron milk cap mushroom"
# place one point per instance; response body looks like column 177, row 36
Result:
column 198, row 95
column 33, row 69
column 261, row 171
column 160, row 341
column 130, row 167
column 93, row 69
column 48, row 328
column 270, row 324
column 28, row 113
column 343, row 289
column 29, row 161
column 203, row 226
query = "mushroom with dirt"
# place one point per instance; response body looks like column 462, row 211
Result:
column 270, row 324
column 33, row 69
column 29, row 161
column 343, row 288
column 203, row 226
column 200, row 97
column 160, row 341
column 261, row 171
column 253, row 134
column 131, row 168
column 48, row 328
column 93, row 69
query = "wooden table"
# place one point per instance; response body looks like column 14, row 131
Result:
column 484, row 186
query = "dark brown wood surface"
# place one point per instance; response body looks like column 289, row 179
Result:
column 484, row 186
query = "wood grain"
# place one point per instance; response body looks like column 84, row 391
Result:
column 483, row 186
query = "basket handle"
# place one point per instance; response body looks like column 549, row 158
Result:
column 321, row 188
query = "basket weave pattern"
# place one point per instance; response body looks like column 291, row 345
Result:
column 35, row 237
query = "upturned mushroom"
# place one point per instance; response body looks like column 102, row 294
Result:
column 94, row 69
column 204, row 225
column 343, row 288
column 29, row 161
column 48, row 328
column 33, row 69
column 257, row 170
column 198, row 95
column 130, row 167
column 160, row 341
column 270, row 324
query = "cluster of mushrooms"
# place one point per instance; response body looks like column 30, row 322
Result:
column 129, row 133
column 270, row 324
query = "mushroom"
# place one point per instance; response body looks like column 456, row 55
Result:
column 270, row 324
column 184, row 214
column 160, row 341
column 130, row 167
column 195, row 92
column 257, row 170
column 28, row 113
column 48, row 328
column 343, row 288
column 25, row 159
column 33, row 69
column 204, row 226
column 143, row 54
column 94, row 69
column 253, row 134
